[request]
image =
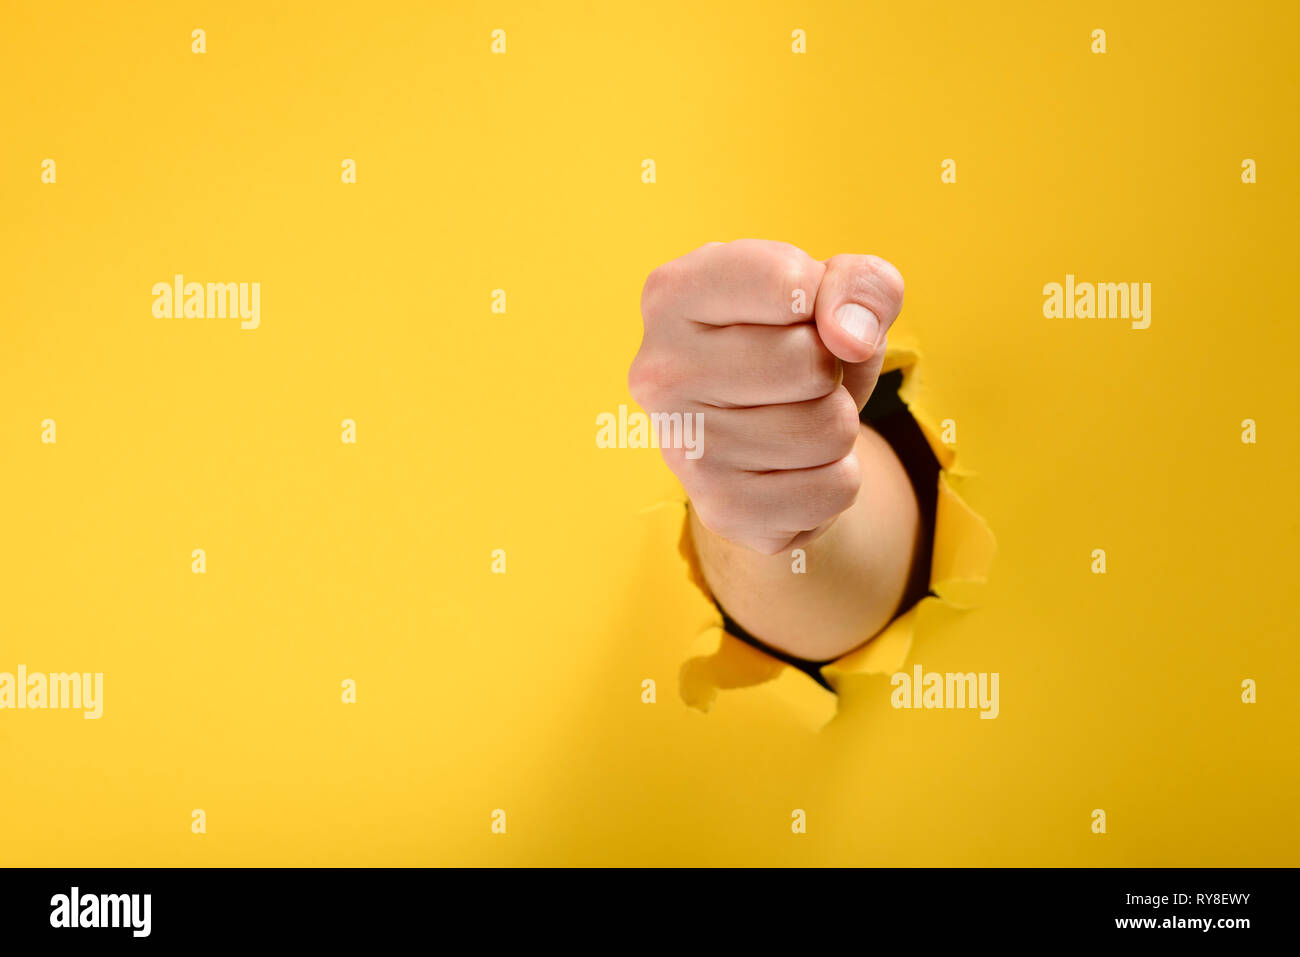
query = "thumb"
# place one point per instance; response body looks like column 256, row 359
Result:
column 858, row 300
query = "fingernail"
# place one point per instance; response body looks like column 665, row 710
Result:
column 859, row 322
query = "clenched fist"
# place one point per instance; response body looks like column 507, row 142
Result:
column 779, row 352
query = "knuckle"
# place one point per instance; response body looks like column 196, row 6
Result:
column 795, row 271
column 823, row 370
column 841, row 427
column 841, row 483
column 803, row 352
column 656, row 294
column 787, row 268
column 827, row 428
column 648, row 379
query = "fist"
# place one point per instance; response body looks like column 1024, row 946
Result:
column 777, row 353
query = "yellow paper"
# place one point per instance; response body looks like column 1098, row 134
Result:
column 470, row 304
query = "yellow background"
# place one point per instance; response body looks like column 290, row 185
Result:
column 476, row 431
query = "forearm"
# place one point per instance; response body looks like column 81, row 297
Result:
column 856, row 572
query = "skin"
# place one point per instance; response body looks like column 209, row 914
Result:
column 780, row 379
